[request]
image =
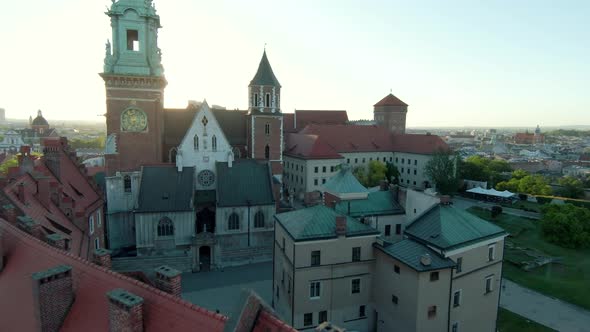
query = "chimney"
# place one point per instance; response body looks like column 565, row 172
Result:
column 331, row 200
column 125, row 311
column 341, row 225
column 102, row 257
column 30, row 226
column 169, row 280
column 21, row 193
column 58, row 241
column 425, row 259
column 44, row 191
column 53, row 295
column 25, row 161
column 52, row 156
column 9, row 213
column 445, row 199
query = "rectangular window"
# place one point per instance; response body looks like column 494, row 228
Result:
column 348, row 161
column 394, row 299
column 459, row 264
column 431, row 312
column 356, row 254
column 387, row 230
column 323, row 181
column 403, row 161
column 314, row 290
column 390, row 159
column 455, row 327
column 96, row 243
column 416, row 162
column 409, row 171
column 315, row 182
column 396, row 160
column 489, row 284
column 98, row 218
column 415, row 172
column 356, row 160
column 324, row 169
column 267, row 129
column 315, row 258
column 402, row 170
column 457, row 298
column 322, row 317
column 362, row 311
column 91, row 224
column 491, row 252
column 371, row 159
column 396, row 269
column 356, row 285
column 398, row 229
column 315, row 169
column 133, row 40
column 433, row 276
column 364, row 160
column 308, row 319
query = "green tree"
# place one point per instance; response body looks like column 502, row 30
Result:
column 392, row 173
column 478, row 168
column 377, row 173
column 523, row 182
column 566, row 225
column 360, row 173
column 442, row 171
column 572, row 187
column 8, row 163
column 96, row 143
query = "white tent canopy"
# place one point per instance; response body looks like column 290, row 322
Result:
column 491, row 192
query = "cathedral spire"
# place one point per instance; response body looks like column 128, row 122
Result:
column 265, row 76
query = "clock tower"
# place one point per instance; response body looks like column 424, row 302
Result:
column 135, row 82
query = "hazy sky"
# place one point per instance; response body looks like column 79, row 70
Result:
column 487, row 63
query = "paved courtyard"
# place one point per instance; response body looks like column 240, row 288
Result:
column 221, row 290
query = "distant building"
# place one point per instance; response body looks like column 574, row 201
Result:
column 38, row 129
column 390, row 112
column 11, row 142
column 2, row 115
column 530, row 138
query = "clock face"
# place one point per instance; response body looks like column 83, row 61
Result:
column 133, row 120
column 206, row 178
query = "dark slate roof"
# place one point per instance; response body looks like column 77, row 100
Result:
column 163, row 188
column 176, row 124
column 390, row 100
column 40, row 121
column 378, row 203
column 448, row 227
column 319, row 222
column 233, row 124
column 265, row 75
column 246, row 182
column 409, row 252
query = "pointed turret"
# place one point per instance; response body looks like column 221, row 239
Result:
column 265, row 89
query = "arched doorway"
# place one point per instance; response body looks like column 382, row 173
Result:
column 205, row 221
column 205, row 258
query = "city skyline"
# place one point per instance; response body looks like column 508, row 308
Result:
column 455, row 65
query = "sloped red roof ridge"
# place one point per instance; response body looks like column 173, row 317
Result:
column 309, row 146
column 418, row 143
column 162, row 311
column 352, row 138
column 268, row 322
column 390, row 100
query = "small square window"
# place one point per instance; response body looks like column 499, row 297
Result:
column 315, row 169
column 315, row 182
column 308, row 319
column 133, row 40
column 396, row 269
column 315, row 258
column 431, row 312
column 322, row 317
column 356, row 160
column 323, row 181
column 434, row 276
column 324, row 169
column 459, row 264
column 489, row 284
column 364, row 160
column 362, row 311
column 394, row 299
column 457, row 298
column 348, row 161
column 491, row 252
column 314, row 290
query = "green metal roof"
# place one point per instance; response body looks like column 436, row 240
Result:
column 265, row 75
column 344, row 183
column 409, row 252
column 378, row 203
column 446, row 227
column 163, row 188
column 319, row 222
column 247, row 182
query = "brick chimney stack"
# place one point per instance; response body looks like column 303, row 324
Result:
column 21, row 193
column 58, row 241
column 30, row 226
column 53, row 296
column 341, row 225
column 9, row 213
column 44, row 191
column 102, row 257
column 125, row 311
column 169, row 280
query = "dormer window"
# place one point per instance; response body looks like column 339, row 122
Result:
column 133, row 40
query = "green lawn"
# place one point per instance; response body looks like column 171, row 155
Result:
column 511, row 322
column 567, row 281
column 524, row 205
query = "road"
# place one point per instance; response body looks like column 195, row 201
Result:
column 556, row 314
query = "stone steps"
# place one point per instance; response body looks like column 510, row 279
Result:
column 244, row 256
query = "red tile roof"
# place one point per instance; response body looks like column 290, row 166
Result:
column 309, row 147
column 295, row 122
column 89, row 312
column 418, row 144
column 352, row 138
column 289, row 123
column 268, row 322
column 390, row 100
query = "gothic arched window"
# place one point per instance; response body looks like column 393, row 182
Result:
column 233, row 222
column 214, row 143
column 267, row 152
column 165, row 227
column 267, row 129
column 259, row 219
column 196, row 142
column 267, row 104
column 127, row 183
